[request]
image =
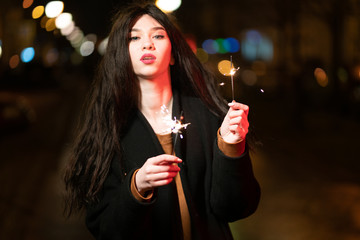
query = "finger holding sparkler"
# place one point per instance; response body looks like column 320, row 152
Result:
column 157, row 171
column 235, row 126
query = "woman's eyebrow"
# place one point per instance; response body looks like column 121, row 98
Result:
column 153, row 29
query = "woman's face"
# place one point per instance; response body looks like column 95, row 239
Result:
column 150, row 49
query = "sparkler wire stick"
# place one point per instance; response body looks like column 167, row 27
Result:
column 232, row 77
column 176, row 136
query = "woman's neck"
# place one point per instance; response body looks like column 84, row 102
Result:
column 154, row 95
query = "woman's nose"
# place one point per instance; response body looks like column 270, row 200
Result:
column 148, row 45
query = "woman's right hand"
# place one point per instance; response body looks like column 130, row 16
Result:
column 157, row 171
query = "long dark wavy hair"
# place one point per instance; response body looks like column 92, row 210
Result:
column 113, row 97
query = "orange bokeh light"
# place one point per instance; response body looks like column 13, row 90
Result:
column 14, row 61
column 27, row 3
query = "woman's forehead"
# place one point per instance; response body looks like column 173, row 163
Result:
column 146, row 22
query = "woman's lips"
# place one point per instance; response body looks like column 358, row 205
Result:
column 148, row 58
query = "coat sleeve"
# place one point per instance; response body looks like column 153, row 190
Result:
column 117, row 214
column 235, row 192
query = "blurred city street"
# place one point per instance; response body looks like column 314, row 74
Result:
column 309, row 175
column 31, row 165
column 299, row 73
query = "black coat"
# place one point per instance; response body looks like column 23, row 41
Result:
column 218, row 189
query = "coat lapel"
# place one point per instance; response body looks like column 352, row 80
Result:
column 139, row 142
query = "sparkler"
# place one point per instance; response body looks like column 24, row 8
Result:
column 227, row 68
column 232, row 73
column 173, row 125
column 176, row 128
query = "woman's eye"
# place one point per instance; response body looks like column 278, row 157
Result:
column 134, row 38
column 159, row 36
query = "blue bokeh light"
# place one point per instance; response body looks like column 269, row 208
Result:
column 27, row 54
column 221, row 45
column 231, row 45
column 210, row 46
column 253, row 36
column 255, row 46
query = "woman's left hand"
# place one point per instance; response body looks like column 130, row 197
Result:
column 235, row 125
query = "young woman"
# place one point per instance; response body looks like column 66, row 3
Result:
column 135, row 179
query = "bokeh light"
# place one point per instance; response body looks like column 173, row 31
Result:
column 221, row 45
column 225, row 67
column 68, row 30
column 27, row 54
column 38, row 12
column 87, row 48
column 321, row 77
column 14, row 61
column 63, row 20
column 50, row 57
column 168, row 5
column 102, row 46
column 231, row 45
column 0, row 48
column 255, row 46
column 54, row 9
column 210, row 46
column 50, row 25
column 74, row 35
column 356, row 72
column 76, row 38
column 253, row 37
column 27, row 3
column 249, row 77
column 266, row 49
column 43, row 21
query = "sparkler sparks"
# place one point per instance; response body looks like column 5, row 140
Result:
column 173, row 125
